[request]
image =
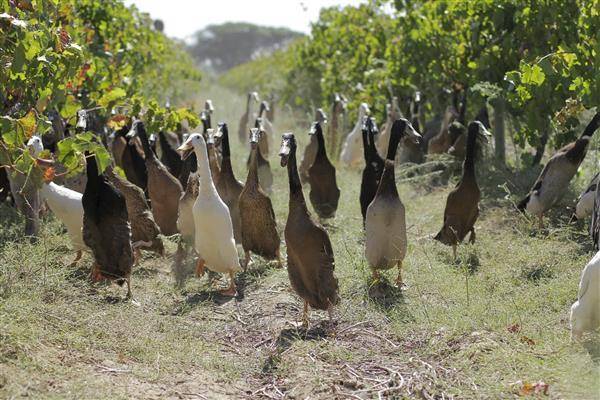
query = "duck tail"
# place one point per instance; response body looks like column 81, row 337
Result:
column 523, row 203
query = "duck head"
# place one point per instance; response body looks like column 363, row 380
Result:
column 369, row 125
column 205, row 118
column 264, row 107
column 482, row 133
column 315, row 128
column 253, row 96
column 320, row 116
column 288, row 146
column 221, row 129
column 136, row 126
column 258, row 124
column 255, row 134
column 210, row 137
column 81, row 120
column 208, row 106
column 411, row 134
column 35, row 145
column 363, row 110
column 193, row 141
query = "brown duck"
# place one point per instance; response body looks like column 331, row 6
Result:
column 373, row 166
column 247, row 117
column 228, row 187
column 259, row 229
column 164, row 189
column 462, row 205
column 265, row 176
column 309, row 252
column 144, row 231
column 106, row 230
column 324, row 193
column 554, row 179
column 310, row 151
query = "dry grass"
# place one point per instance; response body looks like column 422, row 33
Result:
column 478, row 328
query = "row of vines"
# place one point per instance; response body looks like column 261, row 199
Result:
column 60, row 57
column 534, row 62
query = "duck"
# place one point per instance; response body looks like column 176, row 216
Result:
column 268, row 130
column 271, row 110
column 259, row 228
column 145, row 233
column 324, row 193
column 247, row 117
column 338, row 109
column 4, row 185
column 552, row 182
column 265, row 176
column 585, row 312
column 385, row 223
column 392, row 112
column 310, row 258
column 106, row 229
column 350, row 155
column 185, row 219
column 310, row 151
column 585, row 201
column 133, row 160
column 213, row 158
column 228, row 187
column 65, row 203
column 458, row 135
column 411, row 152
column 462, row 204
column 441, row 142
column 213, row 237
column 374, row 166
column 164, row 189
column 118, row 145
column 595, row 224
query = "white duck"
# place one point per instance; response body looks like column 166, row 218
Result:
column 585, row 312
column 214, row 231
column 352, row 154
column 64, row 203
column 585, row 202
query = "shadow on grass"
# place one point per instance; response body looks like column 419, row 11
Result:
column 288, row 336
column 252, row 274
column 385, row 295
column 12, row 224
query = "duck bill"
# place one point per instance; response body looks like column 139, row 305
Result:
column 413, row 135
column 185, row 150
column 284, row 153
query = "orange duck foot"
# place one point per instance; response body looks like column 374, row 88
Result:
column 96, row 275
column 200, row 267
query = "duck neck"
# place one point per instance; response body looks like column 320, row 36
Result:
column 145, row 144
column 366, row 147
column 387, row 184
column 207, row 185
column 469, row 165
column 393, row 146
column 252, row 179
column 372, row 149
column 297, row 201
column 321, row 150
column 226, row 153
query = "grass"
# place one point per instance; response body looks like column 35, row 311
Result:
column 482, row 327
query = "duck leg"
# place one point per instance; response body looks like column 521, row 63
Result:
column 137, row 254
column 128, row 283
column 77, row 258
column 200, row 266
column 376, row 275
column 305, row 320
column 541, row 221
column 399, row 283
column 95, row 274
column 246, row 259
column 231, row 290
column 472, row 236
column 454, row 251
column 279, row 262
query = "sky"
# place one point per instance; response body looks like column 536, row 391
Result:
column 184, row 17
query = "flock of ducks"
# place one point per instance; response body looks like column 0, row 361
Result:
column 188, row 187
